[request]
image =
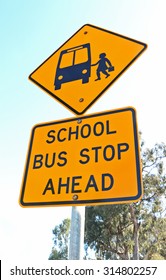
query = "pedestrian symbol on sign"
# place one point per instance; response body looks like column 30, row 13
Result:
column 103, row 65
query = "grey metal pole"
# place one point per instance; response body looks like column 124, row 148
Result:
column 76, row 245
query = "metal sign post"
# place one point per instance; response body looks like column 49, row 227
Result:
column 76, row 246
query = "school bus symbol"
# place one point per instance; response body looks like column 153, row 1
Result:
column 73, row 64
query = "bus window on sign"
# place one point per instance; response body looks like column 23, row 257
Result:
column 74, row 64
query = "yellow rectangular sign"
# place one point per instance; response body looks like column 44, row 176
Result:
column 89, row 160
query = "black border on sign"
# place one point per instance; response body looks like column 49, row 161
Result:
column 87, row 202
column 62, row 101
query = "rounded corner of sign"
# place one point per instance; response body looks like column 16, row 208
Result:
column 145, row 46
column 34, row 127
column 30, row 77
column 86, row 24
column 131, row 109
column 82, row 112
column 138, row 197
column 76, row 112
column 22, row 203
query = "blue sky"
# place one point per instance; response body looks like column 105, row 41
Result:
column 31, row 31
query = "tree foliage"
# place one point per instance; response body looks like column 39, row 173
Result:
column 126, row 231
column 61, row 237
column 137, row 230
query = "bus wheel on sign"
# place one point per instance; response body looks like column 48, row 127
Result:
column 85, row 80
column 58, row 86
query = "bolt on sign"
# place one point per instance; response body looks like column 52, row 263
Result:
column 79, row 72
column 84, row 161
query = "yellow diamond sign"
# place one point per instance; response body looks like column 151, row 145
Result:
column 79, row 72
column 84, row 161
